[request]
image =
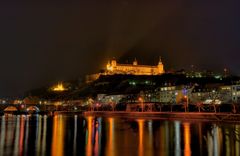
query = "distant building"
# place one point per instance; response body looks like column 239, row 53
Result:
column 59, row 87
column 217, row 94
column 167, row 94
column 135, row 69
column 174, row 94
column 111, row 98
column 236, row 93
column 204, row 94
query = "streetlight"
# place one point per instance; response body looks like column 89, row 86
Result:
column 141, row 100
column 186, row 97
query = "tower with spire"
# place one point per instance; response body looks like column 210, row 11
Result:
column 135, row 62
column 160, row 66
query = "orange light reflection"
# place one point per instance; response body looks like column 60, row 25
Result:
column 187, row 139
column 140, row 146
column 58, row 135
column 110, row 143
column 89, row 136
column 22, row 122
column 16, row 137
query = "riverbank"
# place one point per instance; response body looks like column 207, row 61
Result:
column 183, row 116
column 186, row 116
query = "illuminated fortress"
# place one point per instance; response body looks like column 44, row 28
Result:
column 134, row 69
column 113, row 67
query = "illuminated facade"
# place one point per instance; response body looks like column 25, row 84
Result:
column 59, row 88
column 115, row 68
column 235, row 93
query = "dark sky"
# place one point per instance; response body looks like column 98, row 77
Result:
column 45, row 41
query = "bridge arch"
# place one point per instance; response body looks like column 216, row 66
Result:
column 32, row 109
column 11, row 108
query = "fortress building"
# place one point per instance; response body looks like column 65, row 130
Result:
column 134, row 69
column 113, row 67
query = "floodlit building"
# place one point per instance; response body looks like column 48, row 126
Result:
column 235, row 93
column 113, row 67
column 174, row 94
column 111, row 98
column 204, row 94
column 209, row 95
column 59, row 87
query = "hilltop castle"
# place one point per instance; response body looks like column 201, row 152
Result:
column 113, row 67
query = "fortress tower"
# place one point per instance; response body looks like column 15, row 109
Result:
column 160, row 66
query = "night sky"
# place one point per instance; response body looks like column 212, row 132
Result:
column 45, row 41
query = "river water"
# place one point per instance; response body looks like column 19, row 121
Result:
column 111, row 136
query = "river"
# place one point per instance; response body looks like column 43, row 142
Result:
column 114, row 136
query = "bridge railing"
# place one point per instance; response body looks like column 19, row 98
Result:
column 167, row 107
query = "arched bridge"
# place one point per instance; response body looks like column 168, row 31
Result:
column 26, row 107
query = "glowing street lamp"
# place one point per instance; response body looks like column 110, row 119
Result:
column 140, row 99
column 22, row 106
column 186, row 98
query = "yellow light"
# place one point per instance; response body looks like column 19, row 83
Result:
column 187, row 139
column 58, row 136
column 141, row 141
column 90, row 131
column 109, row 68
column 59, row 88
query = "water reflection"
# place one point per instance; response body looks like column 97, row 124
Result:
column 26, row 131
column 89, row 134
column 200, row 138
column 99, row 138
column 149, row 139
column 214, row 140
column 187, row 139
column 2, row 136
column 75, row 135
column 16, row 143
column 94, row 136
column 237, row 140
column 57, row 136
column 43, row 144
column 38, row 134
column 164, row 138
column 21, row 137
column 111, row 138
column 177, row 138
column 140, row 142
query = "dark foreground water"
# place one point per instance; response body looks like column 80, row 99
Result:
column 77, row 135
